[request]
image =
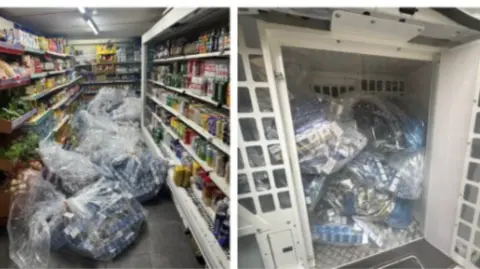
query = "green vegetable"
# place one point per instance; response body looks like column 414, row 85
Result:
column 23, row 148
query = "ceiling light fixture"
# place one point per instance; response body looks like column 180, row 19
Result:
column 82, row 10
column 94, row 28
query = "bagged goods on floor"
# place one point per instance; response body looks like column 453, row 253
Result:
column 98, row 222
column 130, row 110
column 124, row 157
column 74, row 170
column 107, row 100
column 361, row 159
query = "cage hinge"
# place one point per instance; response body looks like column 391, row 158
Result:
column 279, row 76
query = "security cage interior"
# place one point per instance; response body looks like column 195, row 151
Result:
column 311, row 74
column 380, row 100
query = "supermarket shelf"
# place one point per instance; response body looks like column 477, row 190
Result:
column 6, row 48
column 38, row 118
column 194, row 56
column 59, row 72
column 38, row 75
column 60, row 103
column 34, row 51
column 117, row 63
column 198, row 225
column 212, row 139
column 219, row 181
column 57, row 127
column 42, row 94
column 111, row 82
column 208, row 210
column 61, row 123
column 12, row 83
column 189, row 93
column 58, row 54
column 8, row 127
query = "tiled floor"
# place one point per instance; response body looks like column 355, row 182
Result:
column 162, row 244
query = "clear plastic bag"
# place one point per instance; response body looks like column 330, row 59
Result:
column 107, row 100
column 388, row 128
column 400, row 174
column 124, row 157
column 102, row 220
column 74, row 170
column 324, row 144
column 130, row 110
column 35, row 224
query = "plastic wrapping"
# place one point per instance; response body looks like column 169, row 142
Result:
column 99, row 222
column 34, row 225
column 74, row 170
column 102, row 220
column 107, row 100
column 324, row 144
column 401, row 173
column 143, row 174
column 387, row 127
column 124, row 157
column 130, row 110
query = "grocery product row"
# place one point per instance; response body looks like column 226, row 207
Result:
column 205, row 120
column 205, row 79
column 216, row 39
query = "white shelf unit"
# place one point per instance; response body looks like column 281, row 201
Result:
column 197, row 217
column 275, row 56
column 219, row 54
column 189, row 93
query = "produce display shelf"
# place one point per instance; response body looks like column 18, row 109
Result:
column 8, row 127
column 38, row 75
column 14, row 82
column 58, row 54
column 45, row 93
column 219, row 181
column 111, row 82
column 212, row 139
column 220, row 54
column 189, row 93
column 192, row 215
column 15, row 49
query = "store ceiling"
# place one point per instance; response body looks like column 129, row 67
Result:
column 68, row 22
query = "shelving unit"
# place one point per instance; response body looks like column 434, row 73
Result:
column 197, row 217
column 220, row 54
column 42, row 94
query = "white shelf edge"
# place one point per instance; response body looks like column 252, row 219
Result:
column 212, row 139
column 219, row 181
column 194, row 56
column 211, row 250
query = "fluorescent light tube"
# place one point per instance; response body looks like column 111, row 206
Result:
column 82, row 10
column 90, row 23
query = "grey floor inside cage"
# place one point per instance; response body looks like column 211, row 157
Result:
column 329, row 256
column 162, row 244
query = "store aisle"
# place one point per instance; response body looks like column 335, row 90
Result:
column 162, row 244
